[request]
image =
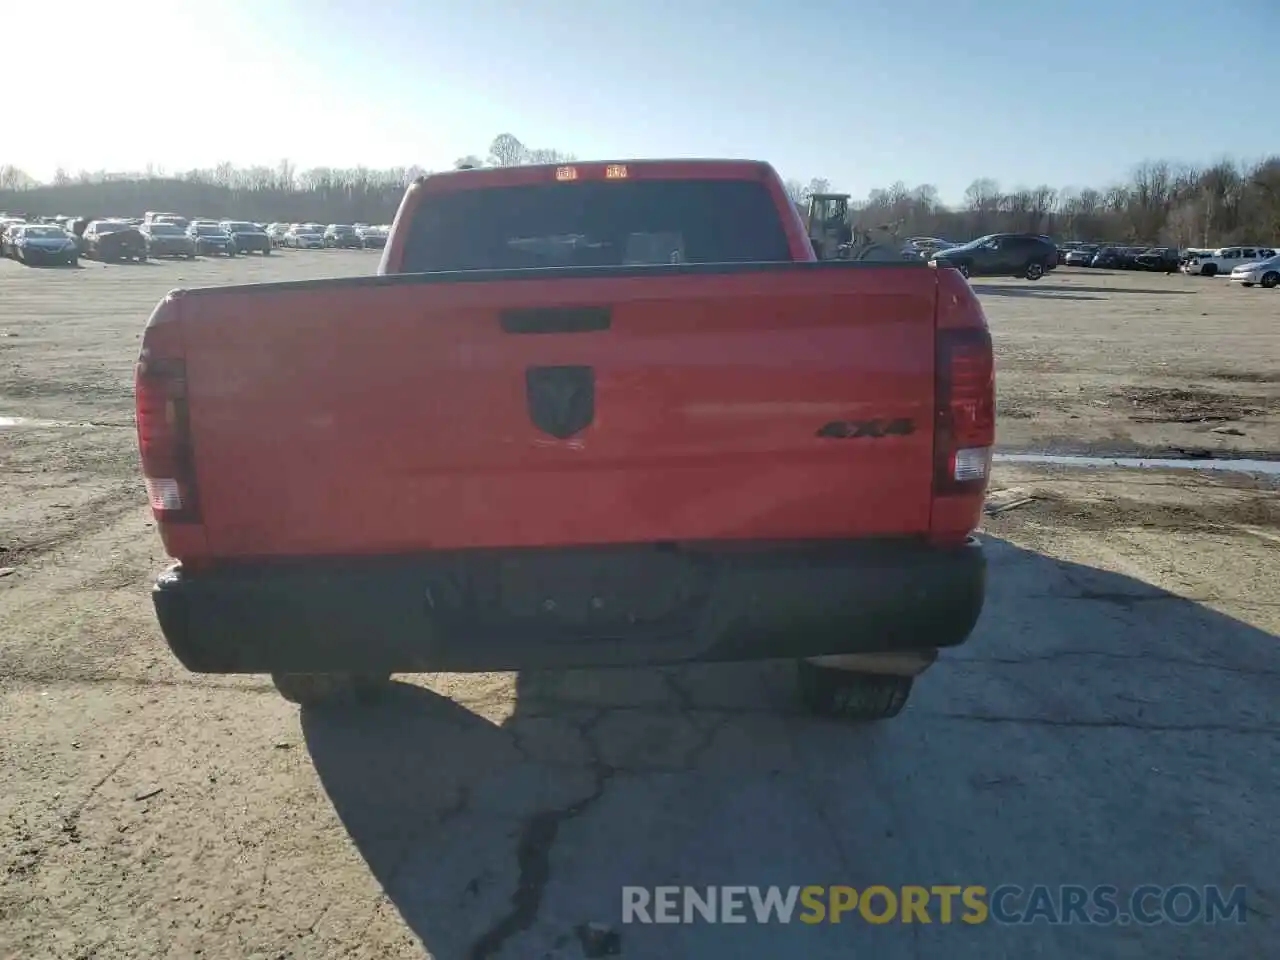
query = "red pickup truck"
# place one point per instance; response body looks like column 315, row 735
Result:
column 606, row 414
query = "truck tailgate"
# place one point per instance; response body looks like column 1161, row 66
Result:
column 421, row 413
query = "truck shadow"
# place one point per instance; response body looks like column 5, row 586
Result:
column 1094, row 730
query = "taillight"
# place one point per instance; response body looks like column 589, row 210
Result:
column 164, row 439
column 965, row 430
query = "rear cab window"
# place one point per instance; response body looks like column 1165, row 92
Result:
column 596, row 223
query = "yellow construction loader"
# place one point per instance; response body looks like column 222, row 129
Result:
column 828, row 224
column 833, row 237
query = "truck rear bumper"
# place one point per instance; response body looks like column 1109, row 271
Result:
column 589, row 607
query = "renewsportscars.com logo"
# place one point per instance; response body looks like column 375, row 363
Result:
column 1105, row 905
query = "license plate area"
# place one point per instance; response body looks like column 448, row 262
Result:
column 572, row 596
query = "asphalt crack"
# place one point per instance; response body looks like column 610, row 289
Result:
column 818, row 799
column 1127, row 600
column 1122, row 599
column 533, row 854
column 679, row 693
column 541, row 829
column 461, row 803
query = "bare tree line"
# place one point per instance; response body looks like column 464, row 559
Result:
column 1161, row 202
column 281, row 193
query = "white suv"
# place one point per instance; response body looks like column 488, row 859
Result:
column 1225, row 259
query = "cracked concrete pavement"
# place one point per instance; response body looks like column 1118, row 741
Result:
column 1100, row 727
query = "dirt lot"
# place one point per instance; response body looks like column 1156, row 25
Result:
column 1111, row 362
column 1114, row 720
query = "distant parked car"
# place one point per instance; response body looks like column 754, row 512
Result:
column 211, row 240
column 342, row 236
column 276, row 232
column 1127, row 257
column 305, row 236
column 1190, row 254
column 41, row 243
column 1081, row 256
column 1265, row 273
column 1191, row 261
column 1224, row 260
column 248, row 237
column 112, row 240
column 168, row 240
column 1158, row 259
column 371, row 238
column 157, row 216
column 925, row 247
column 1002, row 254
column 1108, row 258
column 8, row 231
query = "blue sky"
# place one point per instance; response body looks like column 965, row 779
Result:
column 863, row 92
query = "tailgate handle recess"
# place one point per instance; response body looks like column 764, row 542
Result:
column 556, row 320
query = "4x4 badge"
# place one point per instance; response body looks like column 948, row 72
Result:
column 854, row 429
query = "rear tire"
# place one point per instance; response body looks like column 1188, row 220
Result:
column 324, row 689
column 846, row 695
column 1270, row 279
column 1033, row 270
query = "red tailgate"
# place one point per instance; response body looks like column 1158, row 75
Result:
column 761, row 403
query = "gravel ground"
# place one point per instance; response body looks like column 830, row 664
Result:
column 1099, row 361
